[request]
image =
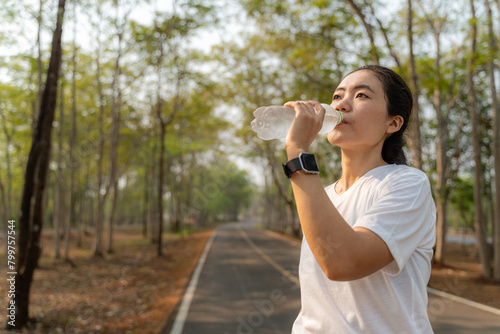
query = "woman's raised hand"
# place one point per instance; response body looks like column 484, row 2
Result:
column 309, row 116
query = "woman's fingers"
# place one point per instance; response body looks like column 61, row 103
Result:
column 320, row 110
column 305, row 127
column 311, row 107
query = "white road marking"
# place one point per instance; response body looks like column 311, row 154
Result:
column 282, row 270
column 180, row 319
column 464, row 301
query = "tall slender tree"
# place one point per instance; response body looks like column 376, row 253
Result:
column 59, row 207
column 31, row 219
column 479, row 221
column 494, row 49
column 100, row 196
column 436, row 26
column 414, row 133
column 6, row 195
column 72, row 138
column 39, row 19
column 116, row 109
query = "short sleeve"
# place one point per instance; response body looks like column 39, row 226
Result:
column 404, row 216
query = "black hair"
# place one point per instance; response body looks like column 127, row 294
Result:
column 399, row 102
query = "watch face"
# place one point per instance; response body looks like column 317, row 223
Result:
column 309, row 163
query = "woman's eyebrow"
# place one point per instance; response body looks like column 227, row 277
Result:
column 361, row 86
column 364, row 86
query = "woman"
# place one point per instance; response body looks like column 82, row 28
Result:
column 367, row 247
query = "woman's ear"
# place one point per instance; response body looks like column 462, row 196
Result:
column 394, row 124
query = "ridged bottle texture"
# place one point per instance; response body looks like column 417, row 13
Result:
column 273, row 122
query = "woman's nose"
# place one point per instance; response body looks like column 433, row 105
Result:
column 341, row 105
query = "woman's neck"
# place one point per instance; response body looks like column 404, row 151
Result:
column 354, row 166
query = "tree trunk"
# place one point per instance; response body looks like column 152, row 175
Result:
column 441, row 160
column 496, row 143
column 115, row 129
column 31, row 219
column 72, row 140
column 145, row 205
column 414, row 134
column 36, row 109
column 496, row 150
column 3, row 216
column 112, row 217
column 154, row 191
column 479, row 222
column 59, row 198
column 8, row 137
column 162, row 123
column 160, row 184
column 285, row 196
column 369, row 31
column 383, row 30
column 6, row 198
column 101, row 197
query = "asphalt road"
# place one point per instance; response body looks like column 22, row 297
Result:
column 453, row 315
column 246, row 282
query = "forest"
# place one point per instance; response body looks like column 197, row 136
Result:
column 137, row 112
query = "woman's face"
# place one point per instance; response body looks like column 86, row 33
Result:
column 366, row 123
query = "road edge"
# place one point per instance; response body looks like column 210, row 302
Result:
column 464, row 301
column 182, row 309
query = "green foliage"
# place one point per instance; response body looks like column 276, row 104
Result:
column 291, row 50
column 227, row 191
column 462, row 202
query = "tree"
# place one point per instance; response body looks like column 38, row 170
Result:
column 414, row 136
column 167, row 59
column 436, row 26
column 231, row 192
column 59, row 207
column 168, row 27
column 31, row 219
column 72, row 139
column 6, row 196
column 116, row 110
column 101, row 193
column 9, row 10
column 369, row 31
column 493, row 46
column 479, row 221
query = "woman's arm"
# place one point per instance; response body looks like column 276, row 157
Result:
column 343, row 253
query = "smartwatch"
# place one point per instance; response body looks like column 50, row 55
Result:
column 305, row 161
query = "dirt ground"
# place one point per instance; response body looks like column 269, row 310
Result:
column 134, row 291
column 461, row 276
column 130, row 291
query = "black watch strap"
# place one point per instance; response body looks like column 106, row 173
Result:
column 305, row 161
column 292, row 166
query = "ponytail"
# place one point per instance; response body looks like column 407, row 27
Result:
column 392, row 151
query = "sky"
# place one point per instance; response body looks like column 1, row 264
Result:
column 143, row 14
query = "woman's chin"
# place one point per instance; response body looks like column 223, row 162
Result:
column 333, row 137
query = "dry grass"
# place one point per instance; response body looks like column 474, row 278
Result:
column 130, row 291
column 461, row 276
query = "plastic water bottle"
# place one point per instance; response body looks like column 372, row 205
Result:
column 273, row 122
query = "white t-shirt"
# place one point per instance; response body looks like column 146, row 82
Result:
column 395, row 202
